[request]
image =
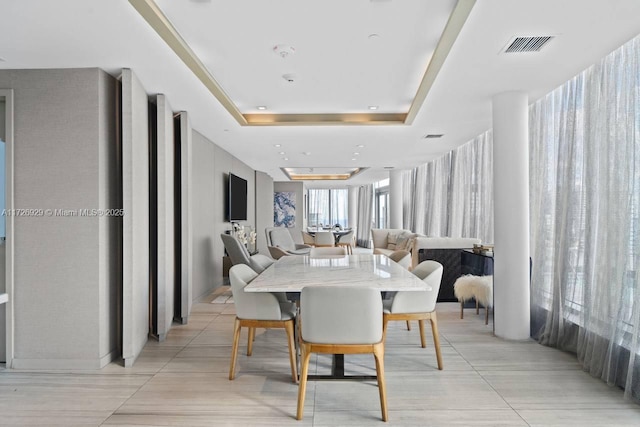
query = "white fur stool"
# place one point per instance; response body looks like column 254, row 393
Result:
column 479, row 288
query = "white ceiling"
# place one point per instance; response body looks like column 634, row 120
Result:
column 339, row 68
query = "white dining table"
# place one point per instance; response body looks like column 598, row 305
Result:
column 293, row 273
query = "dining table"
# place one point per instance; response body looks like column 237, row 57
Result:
column 291, row 274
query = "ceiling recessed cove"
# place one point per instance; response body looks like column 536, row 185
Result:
column 320, row 173
column 284, row 51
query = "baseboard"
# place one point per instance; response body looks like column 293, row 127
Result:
column 63, row 364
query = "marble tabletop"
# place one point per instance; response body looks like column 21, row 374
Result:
column 292, row 273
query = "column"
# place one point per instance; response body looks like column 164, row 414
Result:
column 511, row 215
column 353, row 207
column 395, row 199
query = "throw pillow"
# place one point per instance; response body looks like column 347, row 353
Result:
column 404, row 242
column 391, row 240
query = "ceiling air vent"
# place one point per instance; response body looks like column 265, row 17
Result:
column 527, row 44
column 433, row 135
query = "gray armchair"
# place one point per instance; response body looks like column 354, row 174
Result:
column 239, row 254
column 280, row 243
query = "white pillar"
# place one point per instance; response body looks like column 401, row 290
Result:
column 395, row 199
column 511, row 215
column 353, row 207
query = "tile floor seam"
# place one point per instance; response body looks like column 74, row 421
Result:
column 487, row 382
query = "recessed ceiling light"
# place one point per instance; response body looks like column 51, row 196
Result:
column 261, row 107
column 356, row 154
column 284, row 158
column 282, row 152
column 277, row 145
column 226, row 130
column 373, row 107
column 374, row 36
column 360, row 145
column 307, row 153
column 354, row 158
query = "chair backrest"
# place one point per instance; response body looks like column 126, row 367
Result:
column 260, row 263
column 346, row 238
column 280, row 237
column 401, row 257
column 335, row 251
column 251, row 305
column 422, row 301
column 325, row 238
column 307, row 238
column 238, row 253
column 329, row 315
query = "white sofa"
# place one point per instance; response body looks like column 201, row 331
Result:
column 381, row 241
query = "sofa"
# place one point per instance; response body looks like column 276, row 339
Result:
column 385, row 240
column 445, row 250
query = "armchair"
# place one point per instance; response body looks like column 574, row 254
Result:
column 280, row 243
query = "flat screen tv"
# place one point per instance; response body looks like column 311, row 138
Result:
column 237, row 199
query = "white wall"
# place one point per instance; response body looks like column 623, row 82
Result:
column 64, row 122
column 135, row 202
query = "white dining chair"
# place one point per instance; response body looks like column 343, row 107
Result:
column 401, row 257
column 324, row 239
column 335, row 251
column 342, row 320
column 418, row 305
column 346, row 240
column 258, row 310
column 308, row 238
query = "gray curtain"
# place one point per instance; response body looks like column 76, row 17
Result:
column 365, row 215
column 585, row 218
column 453, row 195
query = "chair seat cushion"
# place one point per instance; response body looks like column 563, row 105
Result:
column 302, row 251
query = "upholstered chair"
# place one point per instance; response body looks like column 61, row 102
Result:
column 239, row 254
column 343, row 320
column 258, row 310
column 335, row 251
column 347, row 240
column 401, row 257
column 282, row 243
column 308, row 239
column 418, row 305
column 324, row 239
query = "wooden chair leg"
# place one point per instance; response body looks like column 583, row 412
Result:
column 436, row 339
column 477, row 307
column 408, row 325
column 302, row 388
column 288, row 326
column 378, row 353
column 234, row 348
column 486, row 315
column 423, row 341
column 385, row 321
column 252, row 338
column 462, row 309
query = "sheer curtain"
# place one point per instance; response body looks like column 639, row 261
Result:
column 365, row 215
column 339, row 207
column 585, row 218
column 452, row 195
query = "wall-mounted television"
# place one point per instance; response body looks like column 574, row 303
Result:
column 236, row 199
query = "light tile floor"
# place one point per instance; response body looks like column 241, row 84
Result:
column 183, row 381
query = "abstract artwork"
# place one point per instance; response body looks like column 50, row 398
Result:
column 284, row 209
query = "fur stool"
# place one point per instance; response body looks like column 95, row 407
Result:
column 479, row 288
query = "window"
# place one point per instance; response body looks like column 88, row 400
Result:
column 328, row 207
